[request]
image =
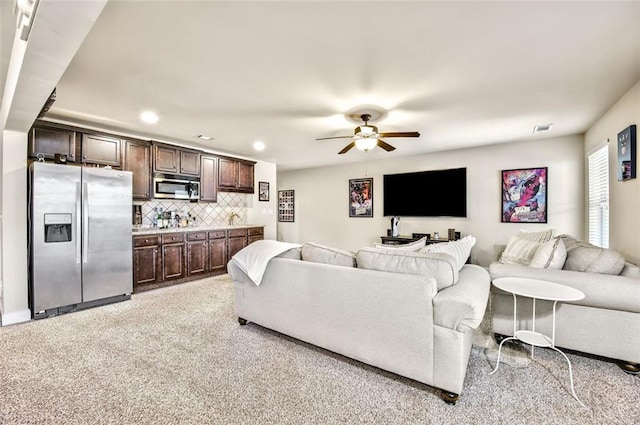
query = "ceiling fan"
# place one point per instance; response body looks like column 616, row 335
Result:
column 366, row 137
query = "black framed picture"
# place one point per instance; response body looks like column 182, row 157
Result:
column 627, row 154
column 524, row 195
column 263, row 191
column 286, row 212
column 361, row 197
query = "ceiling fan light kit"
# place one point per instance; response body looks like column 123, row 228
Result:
column 366, row 137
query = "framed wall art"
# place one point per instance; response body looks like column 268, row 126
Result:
column 263, row 191
column 627, row 154
column 361, row 197
column 524, row 195
column 286, row 211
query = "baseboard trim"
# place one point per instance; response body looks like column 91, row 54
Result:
column 15, row 317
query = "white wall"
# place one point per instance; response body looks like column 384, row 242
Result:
column 624, row 201
column 262, row 212
column 321, row 203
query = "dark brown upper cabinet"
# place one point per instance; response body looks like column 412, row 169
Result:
column 50, row 140
column 208, row 179
column 174, row 160
column 137, row 159
column 101, row 149
column 235, row 175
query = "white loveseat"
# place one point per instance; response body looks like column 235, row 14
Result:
column 399, row 322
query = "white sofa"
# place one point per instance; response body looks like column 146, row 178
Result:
column 606, row 322
column 398, row 322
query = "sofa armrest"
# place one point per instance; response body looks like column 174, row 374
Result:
column 461, row 307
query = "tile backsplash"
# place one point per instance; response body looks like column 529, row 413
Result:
column 206, row 213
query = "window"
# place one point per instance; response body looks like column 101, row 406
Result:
column 599, row 197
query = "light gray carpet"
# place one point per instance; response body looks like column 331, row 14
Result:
column 177, row 355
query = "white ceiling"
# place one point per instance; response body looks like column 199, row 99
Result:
column 461, row 73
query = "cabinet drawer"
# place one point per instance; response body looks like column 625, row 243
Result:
column 172, row 238
column 145, row 241
column 234, row 233
column 218, row 234
column 254, row 231
column 197, row 236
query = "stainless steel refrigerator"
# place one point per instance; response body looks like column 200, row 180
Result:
column 80, row 237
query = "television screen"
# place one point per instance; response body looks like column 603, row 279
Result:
column 437, row 193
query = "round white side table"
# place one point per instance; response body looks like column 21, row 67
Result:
column 537, row 290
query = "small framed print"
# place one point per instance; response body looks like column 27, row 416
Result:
column 286, row 211
column 263, row 191
column 627, row 154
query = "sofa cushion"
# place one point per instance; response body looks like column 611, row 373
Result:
column 440, row 266
column 413, row 246
column 550, row 255
column 630, row 270
column 323, row 254
column 585, row 257
column 519, row 251
column 536, row 235
column 460, row 249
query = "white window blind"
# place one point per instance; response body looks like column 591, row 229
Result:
column 599, row 197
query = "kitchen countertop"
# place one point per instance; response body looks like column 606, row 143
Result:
column 154, row 230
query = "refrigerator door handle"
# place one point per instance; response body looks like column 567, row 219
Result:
column 78, row 218
column 85, row 223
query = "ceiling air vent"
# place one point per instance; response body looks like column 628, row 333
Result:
column 541, row 128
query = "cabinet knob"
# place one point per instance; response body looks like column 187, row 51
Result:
column 146, row 240
column 84, row 156
column 147, row 194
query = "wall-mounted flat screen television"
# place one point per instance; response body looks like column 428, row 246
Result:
column 435, row 193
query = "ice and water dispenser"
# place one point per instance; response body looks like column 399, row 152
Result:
column 57, row 228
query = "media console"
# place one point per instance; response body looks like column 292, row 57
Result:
column 401, row 240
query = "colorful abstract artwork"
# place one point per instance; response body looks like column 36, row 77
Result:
column 524, row 195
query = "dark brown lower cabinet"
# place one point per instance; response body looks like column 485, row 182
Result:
column 197, row 258
column 173, row 261
column 169, row 258
column 218, row 254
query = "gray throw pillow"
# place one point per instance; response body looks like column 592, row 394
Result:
column 585, row 257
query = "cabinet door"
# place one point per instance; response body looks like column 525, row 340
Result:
column 166, row 159
column 218, row 254
column 208, row 187
column 50, row 141
column 137, row 159
column 197, row 258
column 245, row 177
column 236, row 244
column 227, row 173
column 189, row 163
column 101, row 150
column 145, row 265
column 173, row 261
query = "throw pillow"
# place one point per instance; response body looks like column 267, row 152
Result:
column 550, row 255
column 413, row 246
column 460, row 249
column 440, row 266
column 537, row 235
column 519, row 251
column 585, row 257
column 316, row 253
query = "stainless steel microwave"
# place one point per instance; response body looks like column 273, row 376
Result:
column 176, row 187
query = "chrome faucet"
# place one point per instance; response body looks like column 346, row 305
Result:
column 232, row 216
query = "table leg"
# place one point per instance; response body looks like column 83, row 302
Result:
column 499, row 352
column 570, row 376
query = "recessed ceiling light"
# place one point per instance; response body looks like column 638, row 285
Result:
column 149, row 117
column 204, row 137
column 541, row 128
column 259, row 146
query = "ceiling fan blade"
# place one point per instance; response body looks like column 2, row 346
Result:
column 386, row 146
column 335, row 137
column 401, row 134
column 347, row 148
